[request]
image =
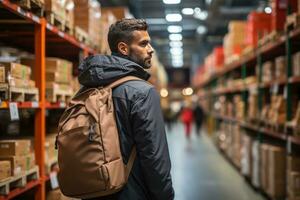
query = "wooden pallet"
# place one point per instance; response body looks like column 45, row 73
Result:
column 18, row 94
column 57, row 95
column 35, row 6
column 81, row 35
column 55, row 20
column 292, row 22
column 19, row 181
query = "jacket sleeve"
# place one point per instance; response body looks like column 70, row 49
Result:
column 151, row 144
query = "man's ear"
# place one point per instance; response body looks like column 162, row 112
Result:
column 123, row 48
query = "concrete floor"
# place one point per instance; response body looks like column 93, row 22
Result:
column 200, row 172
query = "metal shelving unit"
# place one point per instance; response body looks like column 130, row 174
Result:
column 24, row 30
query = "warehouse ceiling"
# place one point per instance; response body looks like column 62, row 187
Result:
column 201, row 31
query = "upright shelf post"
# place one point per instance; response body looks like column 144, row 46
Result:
column 40, row 121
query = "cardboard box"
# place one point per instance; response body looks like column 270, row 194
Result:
column 264, row 167
column 18, row 164
column 5, row 170
column 58, row 77
column 293, row 163
column 57, row 86
column 15, row 70
column 14, row 147
column 277, row 172
column 280, row 67
column 296, row 64
column 294, row 184
column 30, row 161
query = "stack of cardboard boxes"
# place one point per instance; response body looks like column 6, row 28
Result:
column 234, row 41
column 50, row 152
column 87, row 17
column 293, row 180
column 280, row 68
column 16, row 75
column 273, row 170
column 20, row 157
column 267, row 72
column 58, row 76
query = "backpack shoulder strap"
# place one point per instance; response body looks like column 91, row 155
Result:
column 123, row 80
column 130, row 162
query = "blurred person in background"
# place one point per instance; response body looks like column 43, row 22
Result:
column 198, row 117
column 187, row 120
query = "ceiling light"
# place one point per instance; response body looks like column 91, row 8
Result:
column 197, row 10
column 70, row 5
column 187, row 91
column 268, row 10
column 202, row 15
column 176, row 37
column 173, row 17
column 177, row 64
column 171, row 1
column 164, row 93
column 176, row 51
column 188, row 11
column 208, row 2
column 176, row 44
column 174, row 29
column 201, row 30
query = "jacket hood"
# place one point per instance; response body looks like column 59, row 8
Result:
column 101, row 70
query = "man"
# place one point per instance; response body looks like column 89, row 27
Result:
column 137, row 109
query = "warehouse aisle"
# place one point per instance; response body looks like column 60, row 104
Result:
column 200, row 172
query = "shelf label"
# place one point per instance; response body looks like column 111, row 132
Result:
column 34, row 104
column 21, row 11
column 61, row 34
column 35, row 18
column 14, row 112
column 62, row 104
column 53, row 180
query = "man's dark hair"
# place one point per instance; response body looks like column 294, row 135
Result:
column 121, row 31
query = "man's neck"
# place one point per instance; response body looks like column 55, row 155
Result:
column 121, row 55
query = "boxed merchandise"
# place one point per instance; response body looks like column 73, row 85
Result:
column 258, row 25
column 268, row 71
column 294, row 184
column 246, row 157
column 252, row 109
column 256, row 164
column 296, row 64
column 264, row 166
column 277, row 172
column 30, row 161
column 5, row 170
column 56, row 7
column 18, row 164
column 14, row 147
column 279, row 114
column 15, row 70
column 280, row 67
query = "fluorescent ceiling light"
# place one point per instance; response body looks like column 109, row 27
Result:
column 268, row 10
column 188, row 11
column 202, row 15
column 174, row 29
column 208, row 2
column 177, row 65
column 176, row 51
column 176, row 44
column 173, row 17
column 176, row 37
column 201, row 30
column 171, row 1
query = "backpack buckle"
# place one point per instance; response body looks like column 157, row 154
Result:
column 92, row 133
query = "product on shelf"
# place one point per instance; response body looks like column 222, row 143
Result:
column 279, row 114
column 293, row 179
column 256, row 164
column 246, row 156
column 236, row 145
column 252, row 106
column 280, row 67
column 268, row 71
column 87, row 17
column 14, row 147
column 18, row 153
column 296, row 64
column 5, row 170
column 264, row 167
column 258, row 25
column 14, row 70
column 234, row 41
column 239, row 107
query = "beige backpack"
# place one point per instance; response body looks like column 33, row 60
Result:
column 89, row 155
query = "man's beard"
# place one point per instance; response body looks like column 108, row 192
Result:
column 143, row 63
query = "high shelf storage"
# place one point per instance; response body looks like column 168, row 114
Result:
column 236, row 96
column 22, row 29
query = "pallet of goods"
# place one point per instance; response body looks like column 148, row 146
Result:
column 58, row 78
column 18, row 165
column 34, row 6
column 16, row 84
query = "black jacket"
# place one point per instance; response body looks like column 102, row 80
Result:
column 140, row 122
